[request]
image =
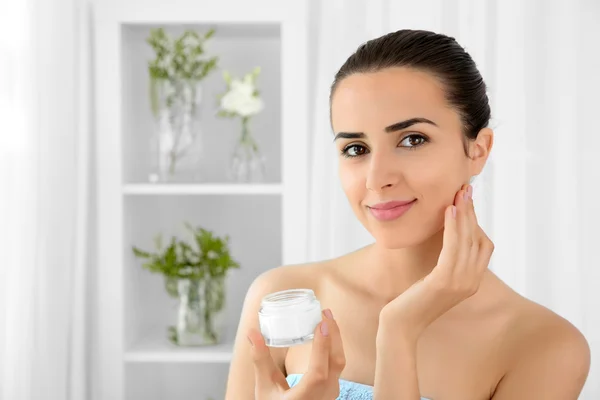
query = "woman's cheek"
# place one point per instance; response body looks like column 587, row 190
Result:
column 351, row 184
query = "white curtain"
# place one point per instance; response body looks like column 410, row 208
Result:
column 45, row 199
column 537, row 198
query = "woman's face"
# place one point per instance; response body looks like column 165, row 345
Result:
column 382, row 159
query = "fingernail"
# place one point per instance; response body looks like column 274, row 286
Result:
column 250, row 341
column 328, row 313
column 466, row 194
column 470, row 190
column 324, row 328
column 454, row 211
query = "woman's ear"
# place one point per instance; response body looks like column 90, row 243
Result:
column 482, row 145
column 480, row 150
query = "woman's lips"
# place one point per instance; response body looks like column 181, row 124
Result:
column 390, row 211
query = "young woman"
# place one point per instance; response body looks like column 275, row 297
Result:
column 416, row 313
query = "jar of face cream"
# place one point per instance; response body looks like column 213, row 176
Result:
column 289, row 317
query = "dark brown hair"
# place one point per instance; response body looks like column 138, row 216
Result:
column 434, row 53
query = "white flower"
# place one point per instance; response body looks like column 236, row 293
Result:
column 212, row 255
column 253, row 106
column 244, row 87
column 240, row 98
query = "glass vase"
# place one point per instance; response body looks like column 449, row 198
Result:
column 247, row 163
column 199, row 319
column 176, row 144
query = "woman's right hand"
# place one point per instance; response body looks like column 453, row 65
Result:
column 320, row 382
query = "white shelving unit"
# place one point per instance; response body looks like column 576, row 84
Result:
column 266, row 222
column 155, row 348
column 197, row 189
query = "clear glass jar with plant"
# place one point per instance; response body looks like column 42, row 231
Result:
column 242, row 101
column 195, row 274
column 176, row 71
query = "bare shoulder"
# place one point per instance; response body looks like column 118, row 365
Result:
column 306, row 276
column 541, row 330
column 312, row 275
column 549, row 356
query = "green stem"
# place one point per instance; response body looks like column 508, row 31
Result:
column 172, row 163
column 209, row 312
column 246, row 136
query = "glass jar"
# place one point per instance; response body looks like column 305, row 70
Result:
column 199, row 313
column 289, row 317
column 176, row 144
column 247, row 164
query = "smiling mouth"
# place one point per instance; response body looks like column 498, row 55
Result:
column 390, row 212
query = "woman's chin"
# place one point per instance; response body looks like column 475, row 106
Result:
column 393, row 239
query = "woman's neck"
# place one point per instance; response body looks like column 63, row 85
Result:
column 392, row 271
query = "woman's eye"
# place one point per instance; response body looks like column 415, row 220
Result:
column 410, row 142
column 414, row 141
column 354, row 150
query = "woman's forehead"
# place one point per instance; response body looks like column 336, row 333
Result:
column 387, row 95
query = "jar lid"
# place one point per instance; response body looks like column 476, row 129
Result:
column 286, row 300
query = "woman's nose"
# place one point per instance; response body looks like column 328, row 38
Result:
column 382, row 172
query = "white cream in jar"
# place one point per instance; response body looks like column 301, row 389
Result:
column 289, row 317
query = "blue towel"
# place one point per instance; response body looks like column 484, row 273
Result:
column 348, row 390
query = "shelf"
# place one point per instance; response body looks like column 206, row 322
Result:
column 185, row 11
column 266, row 221
column 239, row 48
column 154, row 349
column 195, row 189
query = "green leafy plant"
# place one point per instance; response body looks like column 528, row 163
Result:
column 178, row 59
column 182, row 57
column 204, row 262
column 207, row 257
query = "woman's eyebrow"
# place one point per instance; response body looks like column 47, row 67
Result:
column 392, row 128
column 409, row 122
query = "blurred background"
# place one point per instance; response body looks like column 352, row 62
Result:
column 156, row 156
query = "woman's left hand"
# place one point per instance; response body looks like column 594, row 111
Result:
column 464, row 258
column 320, row 381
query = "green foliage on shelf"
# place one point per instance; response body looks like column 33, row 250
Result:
column 198, row 270
column 207, row 257
column 178, row 61
column 182, row 57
